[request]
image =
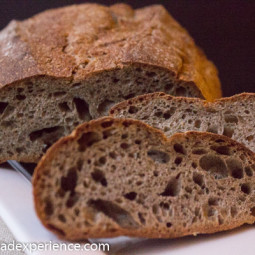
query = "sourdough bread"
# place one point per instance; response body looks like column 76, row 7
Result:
column 114, row 177
column 69, row 65
column 232, row 117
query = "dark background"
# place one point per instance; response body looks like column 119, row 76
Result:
column 225, row 29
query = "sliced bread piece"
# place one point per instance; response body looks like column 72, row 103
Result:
column 69, row 65
column 114, row 177
column 232, row 117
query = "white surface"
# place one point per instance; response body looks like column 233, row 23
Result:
column 16, row 209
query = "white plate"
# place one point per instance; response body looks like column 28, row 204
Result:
column 16, row 209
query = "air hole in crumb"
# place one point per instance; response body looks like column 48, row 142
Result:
column 150, row 74
column 141, row 218
column 82, row 109
column 233, row 211
column 248, row 171
column 124, row 146
column 115, row 212
column 250, row 138
column 178, row 161
column 20, row 97
column 62, row 218
column 155, row 173
column 63, row 107
column 188, row 189
column 68, row 182
column 130, row 195
column 48, row 207
column 79, row 164
column 194, row 164
column 138, row 141
column 214, row 165
column 253, row 211
column 155, row 209
column 107, row 124
column 223, row 150
column 228, row 131
column 245, row 188
column 220, row 220
column 235, row 168
column 139, row 183
column 199, row 151
column 231, row 119
column 104, row 107
column 212, row 129
column 107, row 133
column 164, row 206
column 166, row 115
column 158, row 114
column 198, row 179
column 76, row 211
column 197, row 123
column 166, row 129
column 76, row 85
column 212, row 201
column 19, row 149
column 173, row 188
column 71, row 201
column 211, row 212
column 179, row 148
column 133, row 109
column 20, row 90
column 113, row 155
column 59, row 93
column 158, row 156
column 168, row 224
column 87, row 140
column 7, row 110
column 126, row 123
column 98, row 176
column 124, row 136
column 101, row 161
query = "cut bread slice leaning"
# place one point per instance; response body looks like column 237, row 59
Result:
column 69, row 65
column 115, row 177
column 232, row 117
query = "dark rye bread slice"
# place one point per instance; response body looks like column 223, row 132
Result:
column 114, row 177
column 232, row 117
column 69, row 65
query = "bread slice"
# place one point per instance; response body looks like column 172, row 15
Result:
column 232, row 117
column 69, row 65
column 114, row 177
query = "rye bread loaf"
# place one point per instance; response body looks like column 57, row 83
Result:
column 114, row 177
column 69, row 65
column 232, row 117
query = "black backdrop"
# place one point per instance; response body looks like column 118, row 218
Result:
column 225, row 29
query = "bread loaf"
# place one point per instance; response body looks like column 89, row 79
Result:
column 114, row 177
column 232, row 117
column 69, row 65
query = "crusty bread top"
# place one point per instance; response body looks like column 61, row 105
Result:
column 75, row 41
column 147, row 97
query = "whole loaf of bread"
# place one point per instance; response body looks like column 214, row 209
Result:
column 69, row 65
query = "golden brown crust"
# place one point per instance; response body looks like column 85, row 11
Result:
column 147, row 97
column 54, row 43
column 97, row 125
